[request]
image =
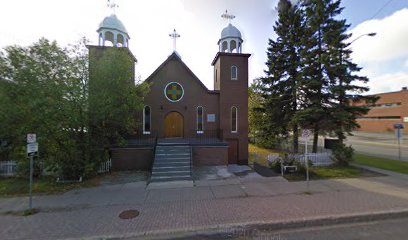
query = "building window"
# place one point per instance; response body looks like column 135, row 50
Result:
column 146, row 120
column 234, row 73
column 200, row 120
column 234, row 119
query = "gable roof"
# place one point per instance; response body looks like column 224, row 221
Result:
column 176, row 57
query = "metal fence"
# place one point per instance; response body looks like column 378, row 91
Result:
column 8, row 168
column 205, row 136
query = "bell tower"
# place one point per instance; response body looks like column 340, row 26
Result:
column 112, row 31
column 231, row 80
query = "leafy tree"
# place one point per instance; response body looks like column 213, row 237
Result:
column 280, row 87
column 114, row 100
column 39, row 94
column 44, row 89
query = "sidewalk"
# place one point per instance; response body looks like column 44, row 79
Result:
column 216, row 205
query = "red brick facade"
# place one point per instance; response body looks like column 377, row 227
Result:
column 391, row 108
column 228, row 93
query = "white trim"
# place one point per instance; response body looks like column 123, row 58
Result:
column 144, row 120
column 164, row 91
column 236, row 73
column 202, row 119
column 236, row 119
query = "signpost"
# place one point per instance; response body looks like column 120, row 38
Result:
column 398, row 134
column 306, row 133
column 32, row 149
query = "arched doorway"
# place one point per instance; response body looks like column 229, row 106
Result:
column 173, row 125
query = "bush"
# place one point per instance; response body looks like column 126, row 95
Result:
column 342, row 155
column 288, row 160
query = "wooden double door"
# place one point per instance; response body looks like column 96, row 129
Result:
column 174, row 125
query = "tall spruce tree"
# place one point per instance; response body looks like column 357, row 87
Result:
column 328, row 73
column 280, row 86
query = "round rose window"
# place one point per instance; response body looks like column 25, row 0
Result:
column 174, row 92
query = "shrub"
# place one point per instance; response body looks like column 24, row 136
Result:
column 342, row 155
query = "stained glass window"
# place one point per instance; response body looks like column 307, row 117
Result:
column 146, row 120
column 234, row 119
column 200, row 120
column 174, row 92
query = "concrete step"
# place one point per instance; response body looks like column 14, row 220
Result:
column 171, row 168
column 171, row 178
column 170, row 173
column 179, row 159
column 166, row 156
column 172, row 164
column 172, row 147
column 166, row 153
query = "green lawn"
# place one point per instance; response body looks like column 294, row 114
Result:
column 18, row 186
column 318, row 173
column 261, row 154
column 386, row 164
column 315, row 173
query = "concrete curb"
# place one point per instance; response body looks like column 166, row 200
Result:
column 381, row 171
column 229, row 230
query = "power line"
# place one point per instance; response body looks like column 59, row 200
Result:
column 382, row 8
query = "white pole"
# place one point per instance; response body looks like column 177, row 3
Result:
column 399, row 144
column 30, row 203
column 307, row 166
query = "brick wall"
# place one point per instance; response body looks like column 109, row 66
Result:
column 203, row 156
column 381, row 118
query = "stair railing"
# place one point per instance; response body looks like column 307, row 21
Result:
column 191, row 161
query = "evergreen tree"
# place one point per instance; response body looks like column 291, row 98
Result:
column 280, row 87
column 328, row 74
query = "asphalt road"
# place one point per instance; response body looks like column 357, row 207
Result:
column 395, row 229
column 379, row 144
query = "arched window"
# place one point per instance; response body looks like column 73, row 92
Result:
column 224, row 47
column 146, row 120
column 234, row 73
column 120, row 40
column 101, row 40
column 109, row 39
column 234, row 119
column 233, row 46
column 200, row 119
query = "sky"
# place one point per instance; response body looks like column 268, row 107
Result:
column 384, row 58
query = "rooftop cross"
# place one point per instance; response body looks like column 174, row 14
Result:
column 227, row 16
column 174, row 35
column 112, row 5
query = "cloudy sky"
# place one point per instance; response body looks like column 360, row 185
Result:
column 384, row 57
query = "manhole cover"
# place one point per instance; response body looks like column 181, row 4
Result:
column 129, row 214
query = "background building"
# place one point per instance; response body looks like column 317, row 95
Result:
column 391, row 108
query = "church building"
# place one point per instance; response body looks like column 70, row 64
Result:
column 183, row 123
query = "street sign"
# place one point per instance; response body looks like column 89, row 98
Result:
column 306, row 133
column 31, row 138
column 32, row 148
column 398, row 126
